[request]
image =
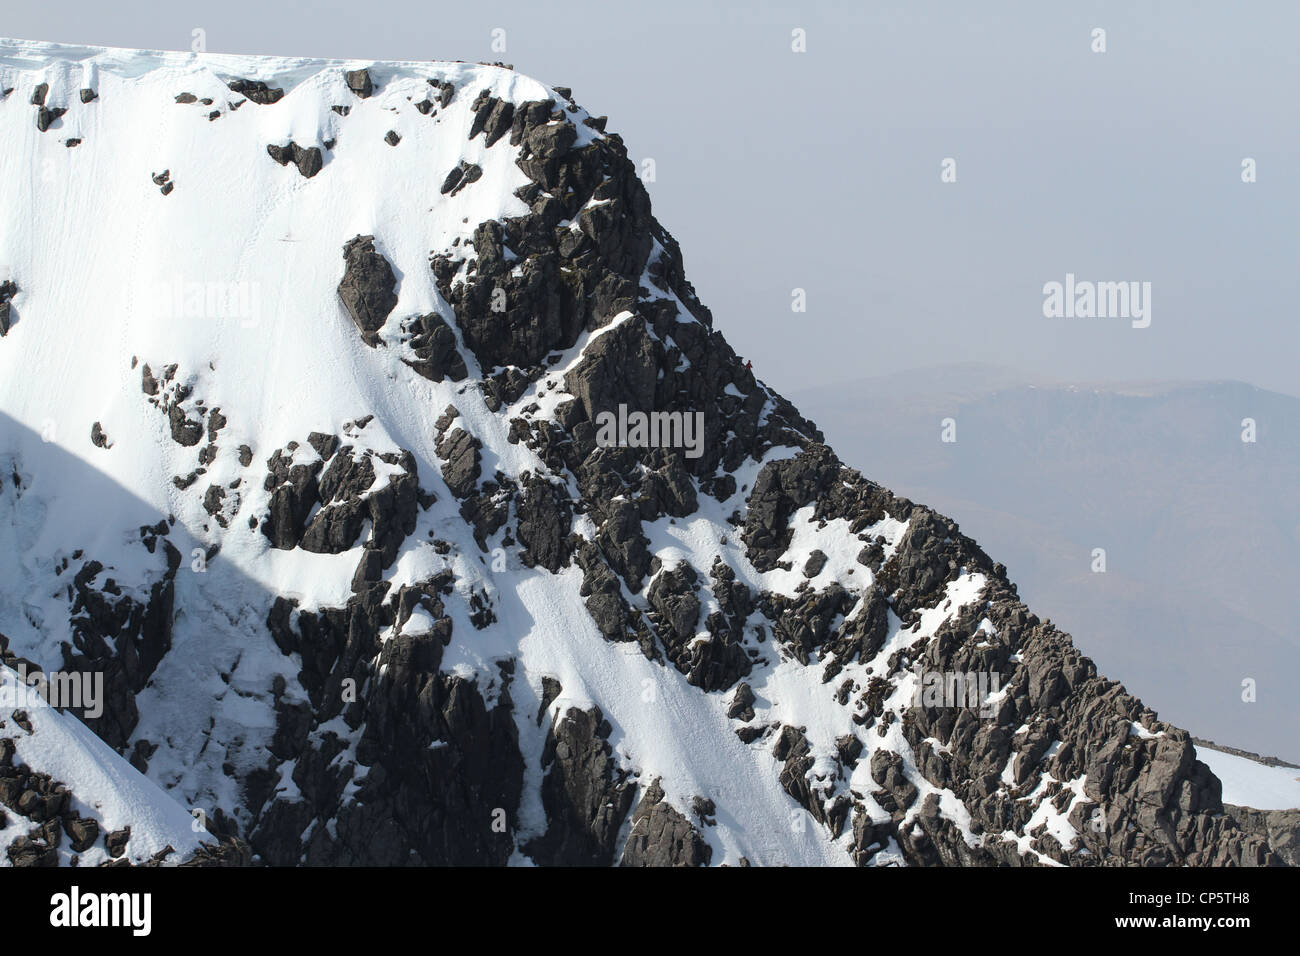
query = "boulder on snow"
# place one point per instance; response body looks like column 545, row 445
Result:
column 309, row 160
column 359, row 82
column 366, row 288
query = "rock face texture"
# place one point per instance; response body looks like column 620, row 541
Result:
column 463, row 626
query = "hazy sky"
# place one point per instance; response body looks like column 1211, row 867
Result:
column 820, row 170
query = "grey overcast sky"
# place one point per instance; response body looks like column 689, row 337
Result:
column 820, row 170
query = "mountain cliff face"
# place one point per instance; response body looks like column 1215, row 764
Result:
column 305, row 385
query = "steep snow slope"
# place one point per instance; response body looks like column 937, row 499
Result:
column 1252, row 784
column 57, row 748
column 303, row 367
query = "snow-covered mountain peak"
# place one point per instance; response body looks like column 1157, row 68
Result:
column 363, row 431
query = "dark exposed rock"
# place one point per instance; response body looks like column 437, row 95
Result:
column 813, row 566
column 661, row 836
column 791, row 746
column 340, row 499
column 712, row 664
column 443, row 422
column 888, row 772
column 488, row 510
column 804, row 623
column 619, row 368
column 782, row 488
column 439, row 772
column 212, row 503
column 861, row 637
column 171, row 396
column 347, row 503
column 460, row 177
column 434, row 345
column 308, row 160
column 446, row 91
column 742, row 703
column 928, row 557
column 584, row 794
column 116, row 841
column 460, row 451
column 1280, row 828
column 623, row 544
column 81, row 831
column 8, row 289
column 227, row 852
column 119, row 636
column 257, row 91
column 184, row 430
column 216, row 422
column 295, row 492
column 324, row 445
column 544, row 308
column 492, row 117
column 164, row 182
column 359, row 82
column 46, row 115
column 25, row 852
column 366, row 289
column 605, row 602
column 544, row 521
